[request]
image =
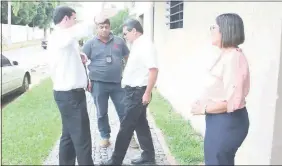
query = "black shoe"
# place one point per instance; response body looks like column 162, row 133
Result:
column 109, row 162
column 142, row 160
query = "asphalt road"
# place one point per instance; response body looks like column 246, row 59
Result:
column 29, row 56
column 34, row 58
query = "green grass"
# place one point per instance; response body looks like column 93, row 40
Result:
column 30, row 126
column 183, row 142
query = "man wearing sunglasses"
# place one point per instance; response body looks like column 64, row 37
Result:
column 139, row 78
column 106, row 53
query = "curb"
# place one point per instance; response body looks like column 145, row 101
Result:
column 171, row 160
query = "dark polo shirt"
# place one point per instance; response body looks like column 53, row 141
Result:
column 98, row 51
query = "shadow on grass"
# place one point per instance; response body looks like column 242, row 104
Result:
column 9, row 98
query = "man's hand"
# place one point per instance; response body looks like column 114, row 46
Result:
column 83, row 58
column 89, row 86
column 146, row 98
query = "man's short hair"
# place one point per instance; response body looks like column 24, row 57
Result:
column 231, row 27
column 107, row 21
column 60, row 12
column 133, row 23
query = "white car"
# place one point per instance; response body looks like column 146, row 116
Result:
column 14, row 77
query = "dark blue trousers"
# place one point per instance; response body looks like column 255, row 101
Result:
column 224, row 135
column 76, row 137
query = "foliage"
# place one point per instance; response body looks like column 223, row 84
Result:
column 118, row 20
column 183, row 142
column 43, row 17
column 15, row 20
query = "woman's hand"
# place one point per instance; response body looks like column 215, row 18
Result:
column 198, row 108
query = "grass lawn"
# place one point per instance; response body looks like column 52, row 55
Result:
column 30, row 126
column 184, row 143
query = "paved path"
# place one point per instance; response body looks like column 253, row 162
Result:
column 104, row 153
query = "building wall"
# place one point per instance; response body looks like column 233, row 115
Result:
column 185, row 53
column 21, row 33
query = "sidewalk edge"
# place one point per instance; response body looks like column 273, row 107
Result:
column 170, row 158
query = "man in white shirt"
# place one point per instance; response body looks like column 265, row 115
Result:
column 69, row 80
column 139, row 78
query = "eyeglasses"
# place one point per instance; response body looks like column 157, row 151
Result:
column 213, row 27
column 128, row 30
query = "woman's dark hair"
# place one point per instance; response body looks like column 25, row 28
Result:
column 60, row 12
column 133, row 23
column 231, row 27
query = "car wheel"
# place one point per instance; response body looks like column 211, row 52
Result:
column 25, row 85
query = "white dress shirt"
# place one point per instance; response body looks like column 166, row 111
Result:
column 142, row 57
column 66, row 68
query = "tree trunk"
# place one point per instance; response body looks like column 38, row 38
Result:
column 45, row 33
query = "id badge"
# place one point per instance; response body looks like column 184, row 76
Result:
column 109, row 59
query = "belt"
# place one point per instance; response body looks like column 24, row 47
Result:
column 77, row 90
column 136, row 87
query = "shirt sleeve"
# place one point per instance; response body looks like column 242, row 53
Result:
column 150, row 55
column 125, row 50
column 234, row 75
column 76, row 32
column 87, row 48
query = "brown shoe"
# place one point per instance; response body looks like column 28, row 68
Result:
column 105, row 143
column 133, row 144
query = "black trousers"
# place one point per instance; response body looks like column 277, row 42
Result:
column 134, row 119
column 76, row 137
column 224, row 135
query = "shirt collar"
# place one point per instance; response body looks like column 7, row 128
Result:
column 111, row 36
column 140, row 38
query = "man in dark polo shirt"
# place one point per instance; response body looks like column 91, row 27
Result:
column 106, row 53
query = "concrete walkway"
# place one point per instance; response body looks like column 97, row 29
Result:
column 104, row 153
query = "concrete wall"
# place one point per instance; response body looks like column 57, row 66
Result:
column 184, row 55
column 22, row 33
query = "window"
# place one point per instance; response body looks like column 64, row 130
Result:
column 175, row 14
column 5, row 61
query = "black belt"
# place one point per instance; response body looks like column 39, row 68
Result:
column 136, row 87
column 77, row 90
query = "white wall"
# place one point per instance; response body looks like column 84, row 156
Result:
column 185, row 53
column 22, row 33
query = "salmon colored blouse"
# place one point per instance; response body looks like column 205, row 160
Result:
column 229, row 80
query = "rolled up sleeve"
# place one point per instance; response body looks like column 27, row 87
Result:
column 76, row 32
column 87, row 48
column 233, row 80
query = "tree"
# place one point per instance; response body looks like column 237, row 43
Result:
column 23, row 12
column 44, row 14
column 117, row 21
column 4, row 12
column 15, row 20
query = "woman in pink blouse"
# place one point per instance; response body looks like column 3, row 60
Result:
column 227, row 121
